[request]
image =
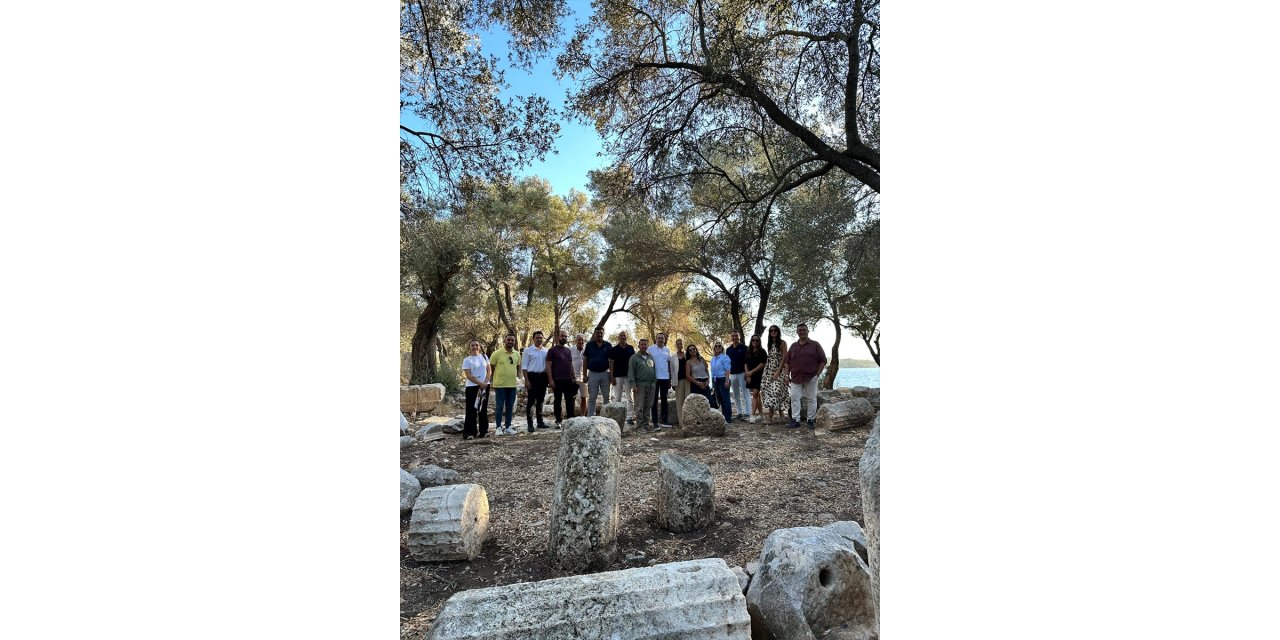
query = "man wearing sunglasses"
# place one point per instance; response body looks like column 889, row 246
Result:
column 506, row 367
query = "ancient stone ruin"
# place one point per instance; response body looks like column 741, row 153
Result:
column 686, row 493
column 850, row 414
column 869, row 480
column 409, row 490
column 810, row 582
column 617, row 411
column 584, row 507
column 449, row 523
column 691, row 600
column 433, row 476
column 699, row 419
column 421, row 398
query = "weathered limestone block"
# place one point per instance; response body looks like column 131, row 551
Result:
column 852, row 531
column 686, row 493
column 404, row 423
column 811, row 581
column 584, row 508
column 409, row 490
column 433, row 476
column 699, row 419
column 421, row 397
column 831, row 396
column 744, row 580
column 449, row 523
column 860, row 392
column 617, row 411
column 691, row 600
column 869, row 481
column 850, row 414
column 406, row 441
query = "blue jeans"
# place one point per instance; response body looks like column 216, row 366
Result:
column 722, row 394
column 506, row 398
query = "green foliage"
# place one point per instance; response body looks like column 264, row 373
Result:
column 450, row 375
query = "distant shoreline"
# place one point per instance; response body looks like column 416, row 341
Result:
column 849, row 363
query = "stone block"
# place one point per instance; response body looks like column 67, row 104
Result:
column 433, row 476
column 584, row 507
column 699, row 419
column 691, row 600
column 617, row 411
column 449, row 523
column 686, row 493
column 869, row 482
column 850, row 414
column 422, row 397
column 409, row 490
column 811, row 582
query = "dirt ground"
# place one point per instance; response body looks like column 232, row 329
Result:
column 767, row 477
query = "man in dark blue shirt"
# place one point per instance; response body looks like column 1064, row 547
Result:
column 737, row 353
column 596, row 372
column 619, row 365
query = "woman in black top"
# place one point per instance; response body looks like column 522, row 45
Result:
column 756, row 359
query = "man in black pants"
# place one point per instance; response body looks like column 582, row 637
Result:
column 560, row 366
column 533, row 364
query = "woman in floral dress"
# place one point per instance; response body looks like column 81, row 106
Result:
column 774, row 387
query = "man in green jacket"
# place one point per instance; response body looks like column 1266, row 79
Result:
column 643, row 374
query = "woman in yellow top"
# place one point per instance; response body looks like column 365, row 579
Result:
column 506, row 368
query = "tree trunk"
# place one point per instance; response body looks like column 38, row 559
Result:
column 875, row 351
column 423, row 362
column 833, row 366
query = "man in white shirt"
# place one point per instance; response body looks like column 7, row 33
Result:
column 665, row 364
column 475, row 368
column 533, row 366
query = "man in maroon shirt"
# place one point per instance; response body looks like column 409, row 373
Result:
column 804, row 361
column 560, row 366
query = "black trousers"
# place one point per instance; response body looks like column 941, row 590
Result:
column 660, row 398
column 537, row 394
column 477, row 421
column 566, row 389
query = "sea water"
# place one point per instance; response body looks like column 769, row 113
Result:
column 858, row 377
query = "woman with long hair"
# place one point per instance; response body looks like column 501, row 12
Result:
column 697, row 372
column 774, row 392
column 682, row 379
column 757, row 357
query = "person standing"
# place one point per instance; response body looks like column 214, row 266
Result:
column 697, row 372
column 579, row 342
column 756, row 359
column 804, row 361
column 596, row 374
column 505, row 363
column 665, row 366
column 720, row 365
column 560, row 368
column 737, row 353
column 475, row 368
column 533, row 365
column 682, row 379
column 775, row 395
column 642, row 371
column 619, row 380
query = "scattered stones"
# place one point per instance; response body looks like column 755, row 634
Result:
column 832, row 396
column 853, row 533
column 404, row 423
column 449, row 523
column 433, row 476
column 811, row 580
column 686, row 493
column 618, row 412
column 850, row 414
column 406, row 441
column 860, row 392
column 584, row 508
column 692, row 600
column 426, row 430
column 699, row 419
column 869, row 480
column 409, row 490
column 452, row 426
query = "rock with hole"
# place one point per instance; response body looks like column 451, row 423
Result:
column 449, row 523
column 686, row 493
column 584, row 507
column 691, row 600
column 811, row 582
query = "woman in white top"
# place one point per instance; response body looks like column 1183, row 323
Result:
column 476, row 369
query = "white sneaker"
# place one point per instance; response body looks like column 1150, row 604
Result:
column 511, row 431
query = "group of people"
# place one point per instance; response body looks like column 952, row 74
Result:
column 740, row 380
